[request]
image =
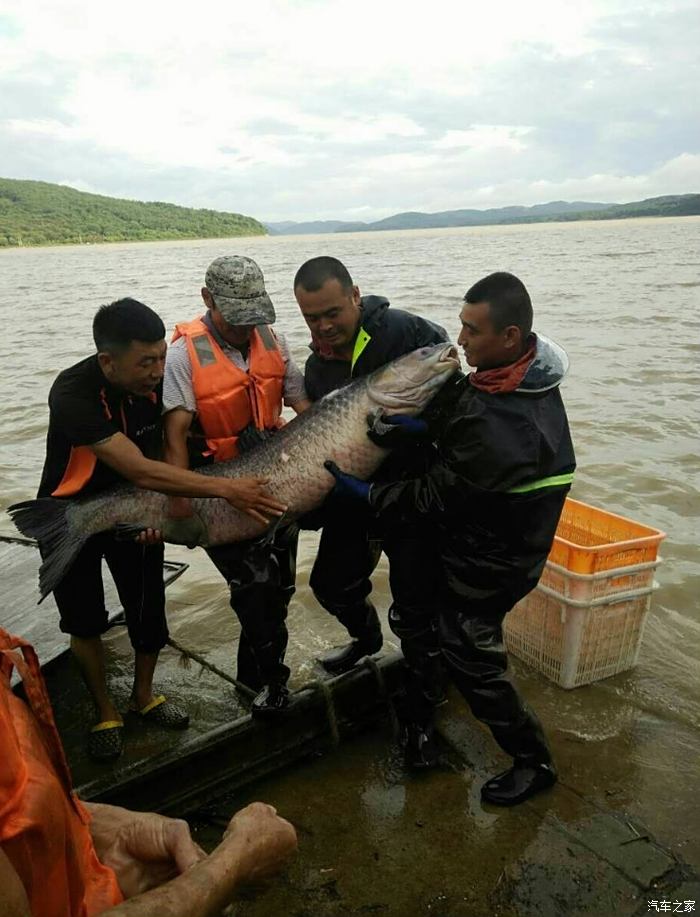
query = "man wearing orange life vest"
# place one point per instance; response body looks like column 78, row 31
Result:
column 63, row 858
column 227, row 377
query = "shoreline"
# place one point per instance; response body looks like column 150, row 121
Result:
column 361, row 232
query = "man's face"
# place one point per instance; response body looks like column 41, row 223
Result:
column 138, row 369
column 332, row 314
column 483, row 346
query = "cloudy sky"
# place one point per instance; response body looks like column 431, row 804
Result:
column 352, row 109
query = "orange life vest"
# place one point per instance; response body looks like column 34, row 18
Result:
column 228, row 398
column 43, row 826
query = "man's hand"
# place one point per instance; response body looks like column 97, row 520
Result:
column 142, row 848
column 149, row 537
column 249, row 496
column 394, row 430
column 146, row 850
column 263, row 842
column 346, row 485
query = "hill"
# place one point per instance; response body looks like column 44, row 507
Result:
column 311, row 227
column 670, row 205
column 554, row 211
column 418, row 220
column 40, row 213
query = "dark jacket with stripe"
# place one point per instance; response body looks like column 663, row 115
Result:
column 493, row 541
column 392, row 332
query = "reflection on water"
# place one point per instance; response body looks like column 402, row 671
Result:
column 620, row 296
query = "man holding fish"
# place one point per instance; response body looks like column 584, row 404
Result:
column 227, row 377
column 105, row 428
column 488, row 506
column 351, row 337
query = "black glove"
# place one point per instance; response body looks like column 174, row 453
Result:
column 391, row 431
column 251, row 437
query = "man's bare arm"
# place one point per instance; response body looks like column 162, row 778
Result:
column 256, row 845
column 176, row 428
column 246, row 494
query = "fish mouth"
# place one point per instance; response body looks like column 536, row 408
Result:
column 449, row 355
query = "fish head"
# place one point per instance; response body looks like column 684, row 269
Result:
column 406, row 385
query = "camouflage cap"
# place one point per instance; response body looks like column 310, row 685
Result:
column 237, row 286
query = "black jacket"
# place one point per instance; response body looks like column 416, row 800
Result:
column 393, row 333
column 493, row 542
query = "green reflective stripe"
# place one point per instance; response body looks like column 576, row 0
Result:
column 555, row 481
column 361, row 341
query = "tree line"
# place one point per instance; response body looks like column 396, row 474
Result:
column 41, row 213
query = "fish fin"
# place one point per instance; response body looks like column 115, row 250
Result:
column 190, row 531
column 127, row 531
column 46, row 520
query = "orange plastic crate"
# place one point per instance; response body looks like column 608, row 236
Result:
column 589, row 540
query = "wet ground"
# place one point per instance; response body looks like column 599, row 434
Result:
column 622, row 827
column 376, row 841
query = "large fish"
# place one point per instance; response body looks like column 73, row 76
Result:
column 333, row 428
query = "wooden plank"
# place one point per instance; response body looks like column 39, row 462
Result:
column 21, row 615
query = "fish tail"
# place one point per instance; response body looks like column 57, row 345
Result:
column 47, row 520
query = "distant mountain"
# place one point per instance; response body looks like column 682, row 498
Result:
column 482, row 217
column 554, row 211
column 670, row 205
column 40, row 213
column 312, row 227
column 417, row 220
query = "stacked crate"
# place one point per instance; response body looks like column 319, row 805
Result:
column 585, row 619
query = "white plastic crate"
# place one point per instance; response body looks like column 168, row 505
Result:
column 575, row 643
column 588, row 587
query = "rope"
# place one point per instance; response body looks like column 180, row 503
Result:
column 323, row 687
column 186, row 655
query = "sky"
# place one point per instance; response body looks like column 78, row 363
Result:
column 352, row 109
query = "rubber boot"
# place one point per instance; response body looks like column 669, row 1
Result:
column 533, row 769
column 523, row 780
column 363, row 625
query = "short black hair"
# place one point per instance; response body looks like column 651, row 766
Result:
column 115, row 326
column 314, row 273
column 509, row 302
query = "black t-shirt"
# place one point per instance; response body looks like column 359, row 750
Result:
column 85, row 409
